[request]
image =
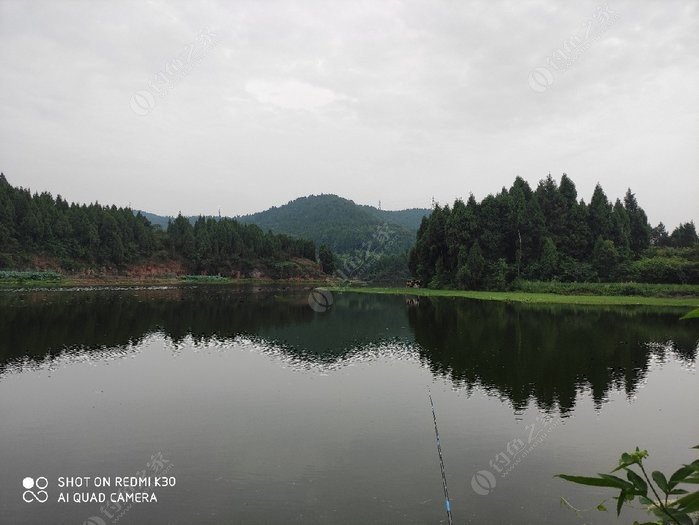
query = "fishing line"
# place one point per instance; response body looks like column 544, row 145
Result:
column 447, row 502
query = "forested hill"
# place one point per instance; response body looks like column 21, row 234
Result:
column 340, row 223
column 328, row 219
column 409, row 219
column 548, row 234
column 40, row 230
column 160, row 220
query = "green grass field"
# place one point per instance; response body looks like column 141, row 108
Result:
column 530, row 297
column 644, row 289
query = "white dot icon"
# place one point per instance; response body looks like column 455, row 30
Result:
column 28, row 483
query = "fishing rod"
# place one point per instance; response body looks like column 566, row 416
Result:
column 447, row 502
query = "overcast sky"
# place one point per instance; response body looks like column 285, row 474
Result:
column 379, row 100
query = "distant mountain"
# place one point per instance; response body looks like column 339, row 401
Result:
column 369, row 243
column 334, row 221
column 162, row 220
column 409, row 219
column 156, row 220
column 341, row 224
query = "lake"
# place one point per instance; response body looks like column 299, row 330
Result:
column 257, row 408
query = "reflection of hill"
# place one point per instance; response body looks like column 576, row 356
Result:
column 36, row 324
column 545, row 352
column 519, row 351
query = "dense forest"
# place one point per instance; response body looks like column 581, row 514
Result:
column 339, row 223
column 548, row 234
column 369, row 243
column 75, row 237
column 518, row 234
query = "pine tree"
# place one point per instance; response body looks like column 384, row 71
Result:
column 553, row 206
column 600, row 214
column 684, row 236
column 549, row 259
column 604, row 258
column 326, row 259
column 621, row 230
column 568, row 191
column 640, row 230
column 659, row 236
column 476, row 266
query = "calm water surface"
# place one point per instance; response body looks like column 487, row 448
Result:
column 265, row 411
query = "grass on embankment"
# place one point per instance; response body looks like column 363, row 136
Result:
column 35, row 278
column 530, row 297
column 642, row 289
column 528, row 292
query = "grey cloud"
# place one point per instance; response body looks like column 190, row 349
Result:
column 396, row 100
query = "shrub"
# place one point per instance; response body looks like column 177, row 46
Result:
column 14, row 275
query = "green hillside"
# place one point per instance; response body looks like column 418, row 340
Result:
column 159, row 220
column 410, row 219
column 162, row 220
column 38, row 231
column 369, row 243
column 331, row 220
column 341, row 224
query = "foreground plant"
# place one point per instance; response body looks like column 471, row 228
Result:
column 660, row 498
column 694, row 314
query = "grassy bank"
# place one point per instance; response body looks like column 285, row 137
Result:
column 531, row 297
column 606, row 289
column 527, row 292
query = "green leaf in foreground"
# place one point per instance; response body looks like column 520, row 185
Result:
column 647, row 490
column 660, row 480
column 688, row 503
column 594, row 482
column 694, row 314
column 638, row 482
column 617, row 482
column 682, row 474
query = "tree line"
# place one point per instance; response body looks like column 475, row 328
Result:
column 548, row 234
column 222, row 245
column 78, row 236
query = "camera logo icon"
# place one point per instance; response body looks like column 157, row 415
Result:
column 35, row 489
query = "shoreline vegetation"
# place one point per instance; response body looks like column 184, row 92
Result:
column 689, row 297
column 548, row 234
column 529, row 245
column 38, row 279
column 525, row 292
column 40, row 232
